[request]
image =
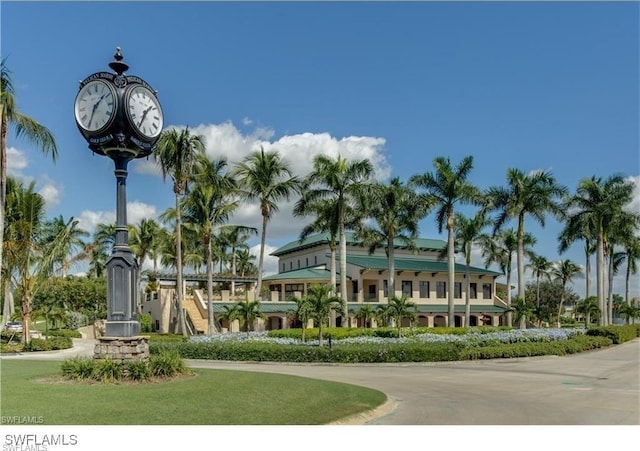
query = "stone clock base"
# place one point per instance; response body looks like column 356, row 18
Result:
column 122, row 349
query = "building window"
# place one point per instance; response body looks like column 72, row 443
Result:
column 307, row 261
column 283, row 268
column 441, row 290
column 298, row 264
column 372, row 292
column 486, row 291
column 291, row 288
column 473, row 290
column 385, row 288
column 407, row 288
column 315, row 259
column 424, row 288
column 457, row 290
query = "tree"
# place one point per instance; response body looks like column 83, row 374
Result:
column 235, row 237
column 302, row 313
column 229, row 314
column 399, row 309
column 579, row 228
column 395, row 210
column 522, row 311
column 27, row 259
column 596, row 203
column 366, row 314
column 208, row 205
column 23, row 126
column 66, row 237
column 540, row 267
column 589, row 308
column 142, row 239
column 339, row 182
column 267, row 178
column 499, row 249
column 320, row 302
column 446, row 187
column 534, row 195
column 632, row 254
column 176, row 151
column 564, row 271
column 628, row 312
column 469, row 232
column 248, row 313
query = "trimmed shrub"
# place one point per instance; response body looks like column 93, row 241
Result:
column 64, row 333
column 52, row 344
column 166, row 337
column 578, row 343
column 617, row 334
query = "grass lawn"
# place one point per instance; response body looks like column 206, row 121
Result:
column 211, row 397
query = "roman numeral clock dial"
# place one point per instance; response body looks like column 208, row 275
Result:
column 95, row 106
column 144, row 112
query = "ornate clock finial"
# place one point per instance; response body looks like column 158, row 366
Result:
column 118, row 66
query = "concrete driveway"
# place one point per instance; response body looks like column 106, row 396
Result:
column 593, row 388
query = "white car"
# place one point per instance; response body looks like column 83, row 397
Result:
column 13, row 326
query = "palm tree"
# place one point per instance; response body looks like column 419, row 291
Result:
column 499, row 249
column 596, row 203
column 396, row 210
column 446, row 187
column 302, row 313
column 177, row 151
column 469, row 232
column 339, row 182
column 267, row 178
column 142, row 239
column 588, row 307
column 522, row 311
column 383, row 315
column 320, row 302
column 632, row 253
column 235, row 237
column 27, row 259
column 67, row 237
column 564, row 271
column 229, row 314
column 23, row 126
column 401, row 308
column 209, row 204
column 534, row 195
column 579, row 228
column 366, row 314
column 628, row 312
column 248, row 313
column 540, row 267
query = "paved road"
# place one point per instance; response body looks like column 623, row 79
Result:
column 600, row 387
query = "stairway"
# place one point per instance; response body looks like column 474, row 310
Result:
column 198, row 317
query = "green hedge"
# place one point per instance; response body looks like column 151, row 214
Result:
column 345, row 353
column 579, row 343
column 52, row 344
column 617, row 334
column 338, row 333
column 64, row 333
column 156, row 337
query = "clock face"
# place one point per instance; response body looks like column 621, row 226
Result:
column 144, row 112
column 95, row 106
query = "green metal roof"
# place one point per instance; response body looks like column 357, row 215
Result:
column 303, row 274
column 281, row 307
column 413, row 264
column 322, row 239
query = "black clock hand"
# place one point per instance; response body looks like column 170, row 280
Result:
column 95, row 107
column 144, row 114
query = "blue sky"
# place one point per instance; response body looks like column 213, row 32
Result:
column 536, row 85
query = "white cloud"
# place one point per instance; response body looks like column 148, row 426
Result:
column 50, row 191
column 137, row 211
column 270, row 262
column 16, row 162
column 88, row 219
column 634, row 205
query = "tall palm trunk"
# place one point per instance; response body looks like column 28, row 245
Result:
column 467, row 306
column 587, row 270
column 3, row 175
column 521, row 286
column 451, row 268
column 181, row 326
column 392, row 268
column 211, row 324
column 258, row 294
column 610, row 287
column 602, row 320
column 343, row 271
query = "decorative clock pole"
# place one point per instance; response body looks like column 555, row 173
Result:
column 120, row 117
